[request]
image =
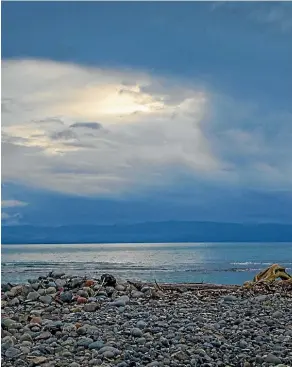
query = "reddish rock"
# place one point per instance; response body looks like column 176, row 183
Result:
column 89, row 283
column 81, row 300
column 36, row 320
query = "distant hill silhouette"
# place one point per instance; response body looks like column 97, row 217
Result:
column 149, row 232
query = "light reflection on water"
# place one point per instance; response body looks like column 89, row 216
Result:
column 190, row 262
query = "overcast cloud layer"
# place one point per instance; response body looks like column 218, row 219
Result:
column 93, row 131
column 186, row 105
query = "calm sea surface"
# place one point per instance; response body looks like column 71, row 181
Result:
column 231, row 263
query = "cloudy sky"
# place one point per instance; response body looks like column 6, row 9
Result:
column 130, row 112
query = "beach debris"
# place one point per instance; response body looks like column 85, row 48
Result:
column 269, row 275
column 108, row 280
column 272, row 273
column 158, row 286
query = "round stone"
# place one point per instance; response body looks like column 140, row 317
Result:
column 12, row 352
column 90, row 307
column 51, row 290
column 96, row 345
column 108, row 354
column 272, row 359
column 141, row 324
column 137, row 333
column 33, row 296
column 66, row 296
column 277, row 314
column 46, row 299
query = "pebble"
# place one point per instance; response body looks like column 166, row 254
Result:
column 84, row 342
column 12, row 352
column 33, row 296
column 14, row 302
column 273, row 359
column 90, row 307
column 144, row 328
column 8, row 323
column 66, row 296
column 230, row 298
column 120, row 287
column 25, row 337
column 108, row 354
column 121, row 301
column 141, row 324
column 277, row 314
column 51, row 290
column 81, row 300
column 137, row 294
column 136, row 332
column 96, row 345
column 46, row 299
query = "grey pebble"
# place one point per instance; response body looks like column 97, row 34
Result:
column 121, row 301
column 273, row 359
column 12, row 352
column 141, row 324
column 136, row 332
column 96, row 345
column 46, row 299
column 33, row 296
column 84, row 342
column 90, row 307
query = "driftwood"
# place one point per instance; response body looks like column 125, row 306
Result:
column 102, row 283
column 195, row 286
column 158, row 286
column 270, row 275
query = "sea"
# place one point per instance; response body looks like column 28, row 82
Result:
column 220, row 263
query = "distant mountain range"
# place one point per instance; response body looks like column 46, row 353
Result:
column 149, row 232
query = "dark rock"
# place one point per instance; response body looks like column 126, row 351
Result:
column 108, row 280
column 90, row 307
column 273, row 359
column 66, row 296
column 96, row 345
column 12, row 352
column 5, row 287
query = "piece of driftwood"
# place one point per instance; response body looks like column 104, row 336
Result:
column 269, row 275
column 272, row 273
column 195, row 286
column 158, row 286
column 102, row 283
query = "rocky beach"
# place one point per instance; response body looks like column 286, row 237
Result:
column 59, row 320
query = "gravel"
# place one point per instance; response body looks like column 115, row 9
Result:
column 129, row 325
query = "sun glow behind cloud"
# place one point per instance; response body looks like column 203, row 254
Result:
column 93, row 131
column 146, row 125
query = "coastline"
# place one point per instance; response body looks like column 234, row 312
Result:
column 58, row 321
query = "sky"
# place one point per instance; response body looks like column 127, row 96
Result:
column 122, row 112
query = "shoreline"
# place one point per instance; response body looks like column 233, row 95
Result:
column 58, row 321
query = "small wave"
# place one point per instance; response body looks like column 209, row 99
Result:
column 250, row 263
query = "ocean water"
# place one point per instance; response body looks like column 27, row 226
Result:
column 224, row 263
